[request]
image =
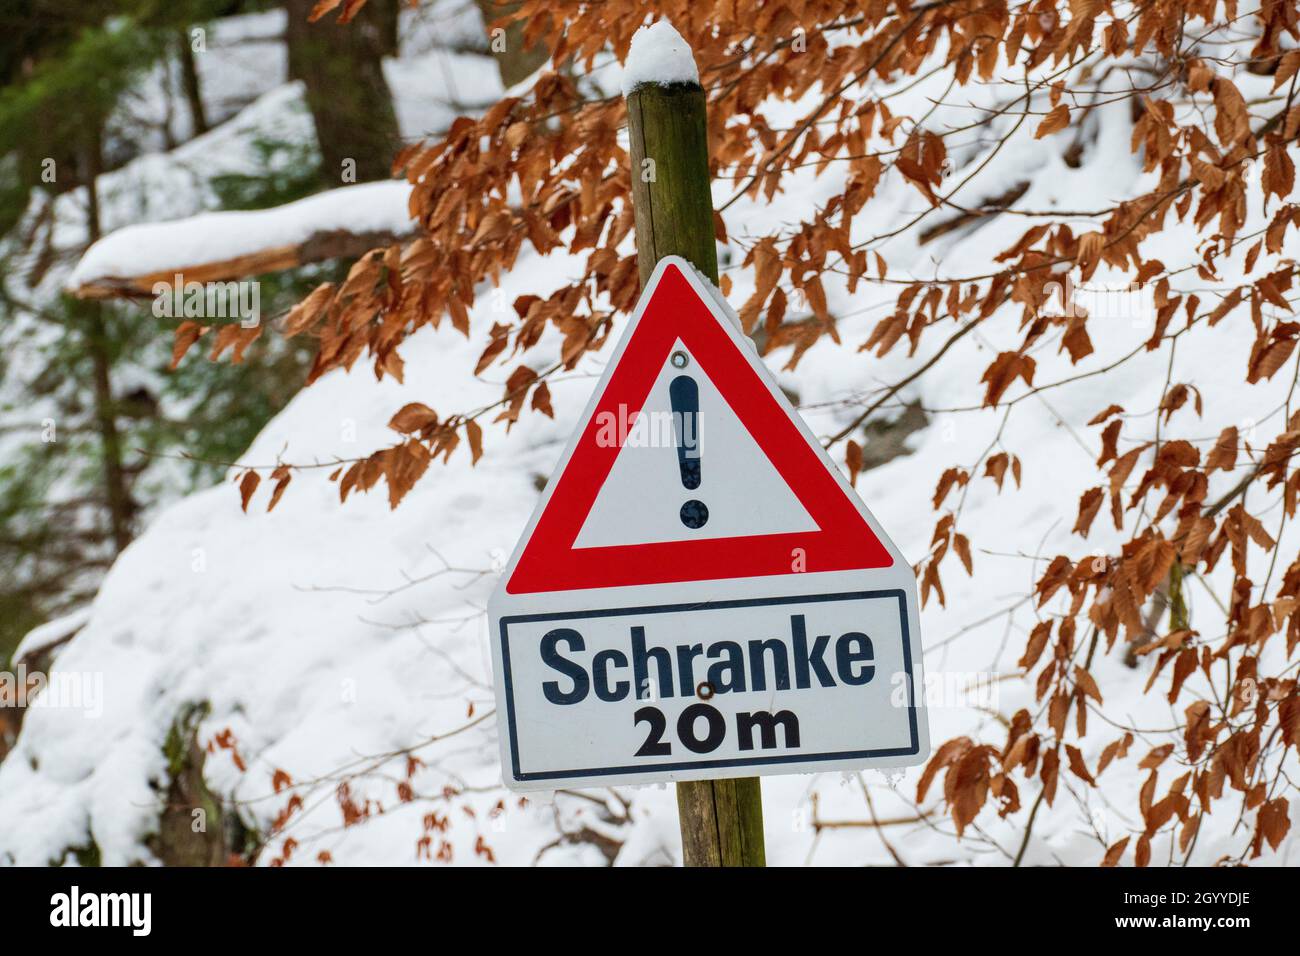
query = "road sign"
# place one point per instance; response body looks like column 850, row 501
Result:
column 700, row 593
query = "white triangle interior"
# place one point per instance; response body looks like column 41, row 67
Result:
column 641, row 499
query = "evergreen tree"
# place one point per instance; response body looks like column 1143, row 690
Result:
column 91, row 418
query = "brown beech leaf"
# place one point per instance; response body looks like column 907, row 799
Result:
column 281, row 476
column 542, row 400
column 474, row 432
column 186, row 334
column 1106, row 413
column 943, row 757
column 951, row 478
column 1156, row 757
column 1087, row 684
column 996, row 467
column 413, row 418
column 1279, row 172
column 1142, row 855
column 1054, row 578
column 1055, row 121
column 853, row 460
column 1224, row 454
column 1115, row 852
column 1037, row 641
column 922, row 161
column 310, row 310
column 322, row 7
column 1089, row 504
column 961, row 544
column 1231, row 119
column 1274, row 821
column 247, row 485
column 1286, row 67
column 1006, row 368
column 1076, row 340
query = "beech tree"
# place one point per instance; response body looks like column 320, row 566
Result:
column 546, row 170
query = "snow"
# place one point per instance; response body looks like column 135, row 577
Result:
column 328, row 636
column 659, row 55
column 244, row 58
column 51, row 632
column 161, row 247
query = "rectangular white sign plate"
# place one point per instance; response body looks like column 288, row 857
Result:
column 710, row 689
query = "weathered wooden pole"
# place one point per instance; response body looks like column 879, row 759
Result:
column 721, row 820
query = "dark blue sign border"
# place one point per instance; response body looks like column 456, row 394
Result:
column 709, row 764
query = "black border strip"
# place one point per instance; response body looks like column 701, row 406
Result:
column 896, row 593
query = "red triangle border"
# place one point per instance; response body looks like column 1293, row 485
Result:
column 844, row 541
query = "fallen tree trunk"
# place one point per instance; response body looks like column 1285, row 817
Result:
column 319, row 247
column 221, row 246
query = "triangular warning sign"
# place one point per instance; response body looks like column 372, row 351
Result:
column 690, row 465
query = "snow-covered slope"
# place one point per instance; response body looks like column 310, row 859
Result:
column 330, row 639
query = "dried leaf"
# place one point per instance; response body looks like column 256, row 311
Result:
column 1055, row 121
column 247, row 485
column 1115, row 852
column 853, row 460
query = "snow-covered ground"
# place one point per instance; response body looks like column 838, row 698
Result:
column 330, row 639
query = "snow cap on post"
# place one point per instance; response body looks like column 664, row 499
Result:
column 659, row 55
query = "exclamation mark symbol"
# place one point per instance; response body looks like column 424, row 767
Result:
column 684, row 394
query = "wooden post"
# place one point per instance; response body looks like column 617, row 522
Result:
column 721, row 820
